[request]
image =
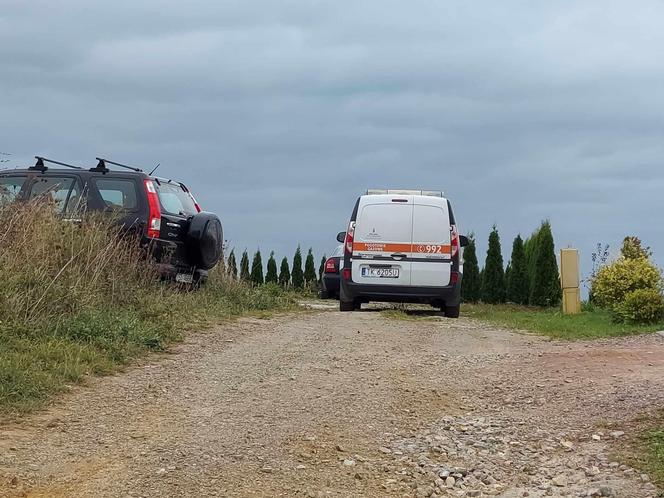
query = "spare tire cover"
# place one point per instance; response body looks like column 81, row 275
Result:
column 205, row 240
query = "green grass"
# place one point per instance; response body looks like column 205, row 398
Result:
column 552, row 323
column 43, row 359
column 645, row 450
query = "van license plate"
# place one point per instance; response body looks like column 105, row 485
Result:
column 185, row 278
column 380, row 272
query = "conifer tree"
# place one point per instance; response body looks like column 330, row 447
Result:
column 244, row 267
column 296, row 273
column 284, row 273
column 471, row 285
column 257, row 269
column 518, row 284
column 310, row 269
column 271, row 276
column 545, row 290
column 321, row 269
column 231, row 266
column 493, row 284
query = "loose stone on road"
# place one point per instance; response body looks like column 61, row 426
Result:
column 352, row 404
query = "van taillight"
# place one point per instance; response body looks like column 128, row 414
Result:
column 154, row 210
column 454, row 278
column 349, row 238
column 330, row 266
column 455, row 241
column 346, row 274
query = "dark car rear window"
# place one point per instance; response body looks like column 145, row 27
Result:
column 63, row 192
column 10, row 187
column 118, row 193
column 175, row 200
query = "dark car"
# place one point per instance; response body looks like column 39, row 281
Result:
column 183, row 241
column 333, row 265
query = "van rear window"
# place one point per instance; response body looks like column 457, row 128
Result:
column 10, row 187
column 385, row 222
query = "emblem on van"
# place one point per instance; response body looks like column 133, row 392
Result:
column 373, row 234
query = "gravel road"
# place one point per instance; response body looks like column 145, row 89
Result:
column 355, row 404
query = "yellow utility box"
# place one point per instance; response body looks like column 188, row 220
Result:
column 570, row 281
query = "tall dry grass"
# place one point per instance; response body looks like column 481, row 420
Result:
column 77, row 299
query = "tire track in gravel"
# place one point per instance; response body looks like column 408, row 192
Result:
column 352, row 404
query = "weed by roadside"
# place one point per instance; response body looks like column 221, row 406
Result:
column 645, row 450
column 78, row 300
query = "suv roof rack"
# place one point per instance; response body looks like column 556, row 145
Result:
column 381, row 191
column 101, row 166
column 40, row 166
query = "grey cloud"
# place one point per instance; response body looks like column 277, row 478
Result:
column 278, row 114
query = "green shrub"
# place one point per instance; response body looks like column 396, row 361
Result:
column 545, row 285
column 640, row 306
column 271, row 276
column 310, row 269
column 614, row 281
column 518, row 288
column 256, row 275
column 471, row 285
column 297, row 276
column 284, row 274
column 493, row 283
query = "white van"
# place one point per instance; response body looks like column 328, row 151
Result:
column 402, row 246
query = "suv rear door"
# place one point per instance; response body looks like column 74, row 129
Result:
column 431, row 262
column 382, row 240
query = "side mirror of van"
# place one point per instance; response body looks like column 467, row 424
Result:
column 463, row 240
column 341, row 236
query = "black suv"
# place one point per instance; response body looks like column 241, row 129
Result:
column 184, row 241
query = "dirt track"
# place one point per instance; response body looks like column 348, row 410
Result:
column 331, row 404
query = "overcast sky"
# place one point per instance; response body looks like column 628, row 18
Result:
column 279, row 114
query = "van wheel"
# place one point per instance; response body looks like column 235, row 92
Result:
column 346, row 306
column 452, row 311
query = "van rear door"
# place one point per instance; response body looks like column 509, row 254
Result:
column 382, row 240
column 431, row 262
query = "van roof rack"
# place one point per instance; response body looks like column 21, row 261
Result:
column 40, row 166
column 380, row 191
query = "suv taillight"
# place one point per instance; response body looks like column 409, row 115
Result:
column 154, row 210
column 196, row 204
column 330, row 266
column 348, row 247
column 455, row 241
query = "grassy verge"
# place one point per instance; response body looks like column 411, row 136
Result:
column 645, row 450
column 552, row 323
column 77, row 300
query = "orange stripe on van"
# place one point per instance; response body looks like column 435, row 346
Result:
column 405, row 248
column 381, row 247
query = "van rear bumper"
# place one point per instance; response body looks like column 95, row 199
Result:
column 450, row 295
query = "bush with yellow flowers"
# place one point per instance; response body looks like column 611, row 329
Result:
column 630, row 287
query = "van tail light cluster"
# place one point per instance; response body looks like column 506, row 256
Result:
column 456, row 243
column 154, row 210
column 350, row 233
column 331, row 266
column 346, row 274
column 454, row 277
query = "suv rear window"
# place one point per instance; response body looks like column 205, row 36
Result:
column 117, row 193
column 62, row 191
column 175, row 200
column 10, row 187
